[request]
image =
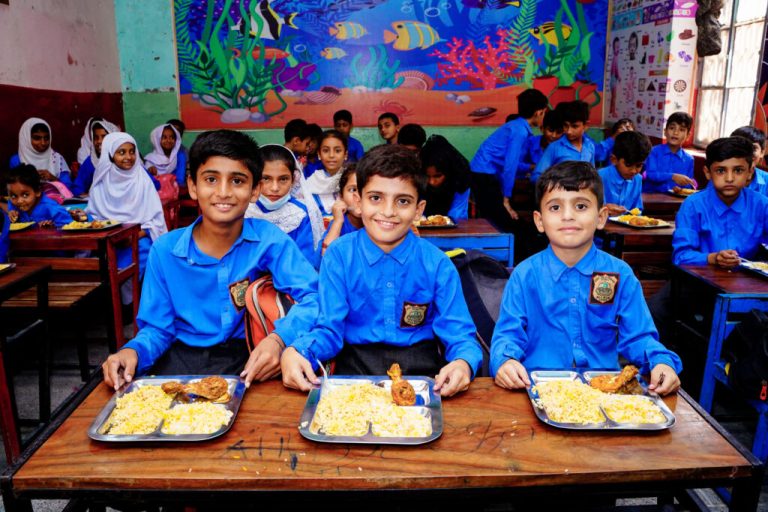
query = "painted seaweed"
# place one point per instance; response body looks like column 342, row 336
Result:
column 376, row 73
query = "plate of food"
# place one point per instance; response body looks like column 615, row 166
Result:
column 682, row 192
column 435, row 221
column 19, row 226
column 95, row 225
column 639, row 221
column 170, row 408
column 6, row 267
column 597, row 400
column 758, row 267
column 373, row 410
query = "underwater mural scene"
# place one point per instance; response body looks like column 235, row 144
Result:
column 259, row 63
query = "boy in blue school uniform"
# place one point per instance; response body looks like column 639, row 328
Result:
column 387, row 295
column 5, row 231
column 669, row 164
column 725, row 221
column 622, row 182
column 551, row 130
column 573, row 305
column 573, row 145
column 27, row 203
column 193, row 298
column 342, row 121
column 759, row 182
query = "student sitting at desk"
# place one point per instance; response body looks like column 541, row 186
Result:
column 5, row 230
column 90, row 147
column 573, row 305
column 573, row 145
column 28, row 204
column 448, row 176
column 759, row 181
column 622, row 182
column 35, row 149
column 669, row 164
column 387, row 295
column 193, row 299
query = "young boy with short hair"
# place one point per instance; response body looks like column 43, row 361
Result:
column 297, row 137
column 387, row 295
column 342, row 121
column 573, row 145
column 193, row 298
column 759, row 182
column 389, row 126
column 622, row 182
column 572, row 305
column 413, row 136
column 535, row 145
column 725, row 221
column 669, row 164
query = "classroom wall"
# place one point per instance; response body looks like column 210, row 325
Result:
column 59, row 62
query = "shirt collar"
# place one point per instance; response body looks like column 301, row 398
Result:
column 557, row 268
column 720, row 207
column 373, row 252
column 183, row 246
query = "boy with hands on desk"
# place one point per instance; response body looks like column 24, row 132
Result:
column 573, row 305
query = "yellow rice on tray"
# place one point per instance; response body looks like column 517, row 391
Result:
column 195, row 418
column 138, row 412
column 632, row 409
column 347, row 410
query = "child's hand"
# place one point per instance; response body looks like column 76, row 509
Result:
column 664, row 380
column 78, row 214
column 152, row 170
column 46, row 175
column 508, row 207
column 683, row 180
column 264, row 362
column 13, row 215
column 297, row 371
column 615, row 209
column 119, row 368
column 453, row 378
column 727, row 258
column 512, row 375
column 338, row 210
column 46, row 224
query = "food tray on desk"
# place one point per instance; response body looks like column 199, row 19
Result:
column 678, row 194
column 757, row 267
column 428, row 404
column 661, row 224
column 449, row 223
column 6, row 267
column 20, row 226
column 80, row 226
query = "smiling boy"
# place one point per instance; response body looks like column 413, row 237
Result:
column 572, row 305
column 193, row 299
column 669, row 164
column 622, row 182
column 573, row 145
column 387, row 295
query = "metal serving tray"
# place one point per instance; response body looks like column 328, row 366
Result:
column 236, row 389
column 451, row 224
column 661, row 224
column 752, row 267
column 428, row 404
column 110, row 224
column 6, row 267
column 609, row 424
column 676, row 194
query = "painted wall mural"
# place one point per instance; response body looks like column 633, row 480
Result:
column 258, row 63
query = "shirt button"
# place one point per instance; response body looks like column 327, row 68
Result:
column 390, row 285
column 573, row 300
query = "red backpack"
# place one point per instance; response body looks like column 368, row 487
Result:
column 263, row 305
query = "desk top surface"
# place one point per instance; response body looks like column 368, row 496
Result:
column 466, row 227
column 20, row 272
column 728, row 281
column 621, row 229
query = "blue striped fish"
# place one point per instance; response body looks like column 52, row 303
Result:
column 411, row 34
column 347, row 30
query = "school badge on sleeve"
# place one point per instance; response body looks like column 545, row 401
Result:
column 603, row 287
column 237, row 293
column 413, row 315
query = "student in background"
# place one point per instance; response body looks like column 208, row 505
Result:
column 342, row 121
column 313, row 162
column 297, row 138
column 412, row 136
column 323, row 185
column 573, row 305
column 96, row 130
column 551, row 130
column 622, row 182
column 180, row 128
column 346, row 212
column 5, row 230
column 27, row 203
column 35, row 149
column 603, row 148
column 166, row 156
column 495, row 164
column 389, row 125
column 448, row 178
column 669, row 164
column 573, row 146
column 87, row 141
column 759, row 181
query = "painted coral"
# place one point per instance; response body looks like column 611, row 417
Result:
column 484, row 66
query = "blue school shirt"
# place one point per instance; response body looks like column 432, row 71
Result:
column 532, row 152
column 46, row 209
column 5, row 232
column 365, row 292
column 661, row 164
column 705, row 224
column 561, row 151
column 199, row 300
column 84, row 179
column 603, row 149
column 301, row 234
column 459, row 209
column 501, row 152
column 346, row 228
column 759, row 182
column 355, row 150
column 550, row 320
column 311, row 167
column 65, row 177
column 181, row 168
column 617, row 190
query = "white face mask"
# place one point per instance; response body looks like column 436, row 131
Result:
column 274, row 205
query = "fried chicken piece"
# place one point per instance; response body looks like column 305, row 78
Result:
column 172, row 387
column 402, row 391
column 624, row 383
column 208, row 387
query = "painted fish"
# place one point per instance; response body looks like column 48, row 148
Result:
column 333, row 53
column 411, row 34
column 491, row 4
column 347, row 30
column 269, row 53
column 546, row 31
column 482, row 112
column 272, row 22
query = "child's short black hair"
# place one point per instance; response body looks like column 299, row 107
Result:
column 752, row 134
column 26, row 175
column 342, row 115
column 531, row 101
column 228, row 144
column 348, row 171
column 621, row 122
column 314, row 132
column 573, row 111
column 335, row 134
column 632, row 147
column 552, row 121
column 278, row 153
column 295, row 128
column 178, row 124
column 682, row 118
column 722, row 149
column 392, row 161
column 39, row 127
column 511, row 117
column 412, row 134
column 571, row 176
column 389, row 115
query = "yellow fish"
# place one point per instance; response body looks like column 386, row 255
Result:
column 547, row 31
column 411, row 34
column 333, row 53
column 347, row 30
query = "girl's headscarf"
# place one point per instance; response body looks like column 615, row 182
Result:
column 48, row 159
column 126, row 196
column 86, row 141
column 163, row 164
column 440, row 153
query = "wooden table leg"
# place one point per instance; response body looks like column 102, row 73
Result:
column 10, row 428
column 45, row 352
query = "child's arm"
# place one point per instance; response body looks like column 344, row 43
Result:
column 13, row 215
column 512, row 159
column 339, row 209
column 686, row 242
column 510, row 339
column 512, row 375
column 59, row 215
column 547, row 159
column 459, row 209
column 664, row 380
column 181, row 168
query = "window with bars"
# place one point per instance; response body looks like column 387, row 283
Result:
column 729, row 81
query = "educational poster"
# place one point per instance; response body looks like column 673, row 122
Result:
column 259, row 63
column 651, row 61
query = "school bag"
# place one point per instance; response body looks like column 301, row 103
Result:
column 56, row 190
column 263, row 305
column 483, row 279
column 745, row 351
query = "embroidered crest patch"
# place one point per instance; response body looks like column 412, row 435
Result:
column 413, row 315
column 603, row 287
column 237, row 293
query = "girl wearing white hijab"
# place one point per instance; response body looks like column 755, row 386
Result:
column 123, row 191
column 87, row 148
column 166, row 157
column 91, row 141
column 35, row 149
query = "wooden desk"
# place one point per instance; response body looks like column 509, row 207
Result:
column 104, row 245
column 12, row 283
column 727, row 281
column 661, row 205
column 478, row 234
column 492, row 447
